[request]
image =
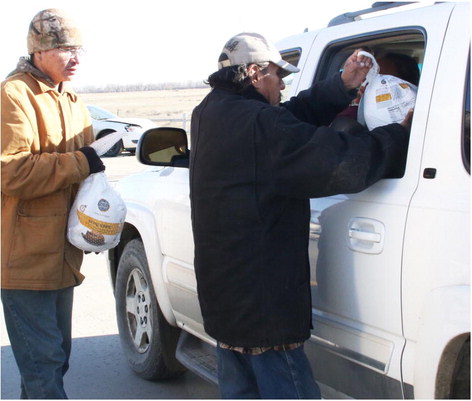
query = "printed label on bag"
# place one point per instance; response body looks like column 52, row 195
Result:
column 99, row 226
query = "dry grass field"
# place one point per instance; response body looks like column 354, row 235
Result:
column 161, row 106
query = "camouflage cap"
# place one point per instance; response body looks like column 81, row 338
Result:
column 52, row 28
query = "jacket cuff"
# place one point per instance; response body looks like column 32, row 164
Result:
column 95, row 163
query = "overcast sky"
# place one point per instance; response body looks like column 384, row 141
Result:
column 154, row 41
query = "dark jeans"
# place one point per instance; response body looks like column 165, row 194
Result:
column 270, row 375
column 39, row 328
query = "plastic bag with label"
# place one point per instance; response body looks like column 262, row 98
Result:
column 98, row 213
column 386, row 99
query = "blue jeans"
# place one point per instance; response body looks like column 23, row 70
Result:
column 270, row 375
column 39, row 328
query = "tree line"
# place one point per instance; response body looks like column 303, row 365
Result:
column 138, row 87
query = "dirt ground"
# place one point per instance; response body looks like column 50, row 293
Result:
column 165, row 107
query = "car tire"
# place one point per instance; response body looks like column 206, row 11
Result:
column 116, row 149
column 148, row 340
column 461, row 378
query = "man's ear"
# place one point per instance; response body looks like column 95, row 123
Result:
column 253, row 73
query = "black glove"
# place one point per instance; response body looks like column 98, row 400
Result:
column 95, row 163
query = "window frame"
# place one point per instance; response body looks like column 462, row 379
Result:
column 465, row 141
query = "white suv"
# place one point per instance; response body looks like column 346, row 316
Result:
column 390, row 265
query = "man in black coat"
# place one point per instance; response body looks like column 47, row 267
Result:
column 254, row 166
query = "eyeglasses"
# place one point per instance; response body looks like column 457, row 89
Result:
column 72, row 52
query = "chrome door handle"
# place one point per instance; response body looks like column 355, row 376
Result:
column 315, row 231
column 364, row 235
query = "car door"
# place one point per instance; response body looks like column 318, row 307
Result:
column 356, row 241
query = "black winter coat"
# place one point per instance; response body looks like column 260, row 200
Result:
column 253, row 169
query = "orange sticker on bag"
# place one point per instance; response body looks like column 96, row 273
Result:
column 383, row 98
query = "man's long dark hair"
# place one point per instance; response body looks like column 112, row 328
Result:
column 234, row 78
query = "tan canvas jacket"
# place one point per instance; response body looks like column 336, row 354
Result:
column 42, row 129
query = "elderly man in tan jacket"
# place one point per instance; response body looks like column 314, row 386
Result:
column 46, row 131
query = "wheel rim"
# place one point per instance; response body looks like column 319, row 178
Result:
column 138, row 310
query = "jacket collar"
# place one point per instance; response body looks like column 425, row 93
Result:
column 25, row 65
column 44, row 81
column 251, row 93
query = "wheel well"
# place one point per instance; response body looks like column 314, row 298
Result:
column 101, row 134
column 453, row 377
column 129, row 233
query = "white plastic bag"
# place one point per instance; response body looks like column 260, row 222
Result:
column 386, row 99
column 98, row 212
column 97, row 215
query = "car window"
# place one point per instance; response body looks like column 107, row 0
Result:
column 408, row 43
column 399, row 54
column 97, row 113
column 292, row 56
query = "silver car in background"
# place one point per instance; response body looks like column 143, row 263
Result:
column 105, row 122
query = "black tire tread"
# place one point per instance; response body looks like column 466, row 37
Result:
column 158, row 362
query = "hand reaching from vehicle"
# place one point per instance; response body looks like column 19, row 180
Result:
column 355, row 70
column 406, row 123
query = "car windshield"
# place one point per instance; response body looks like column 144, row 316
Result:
column 97, row 113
